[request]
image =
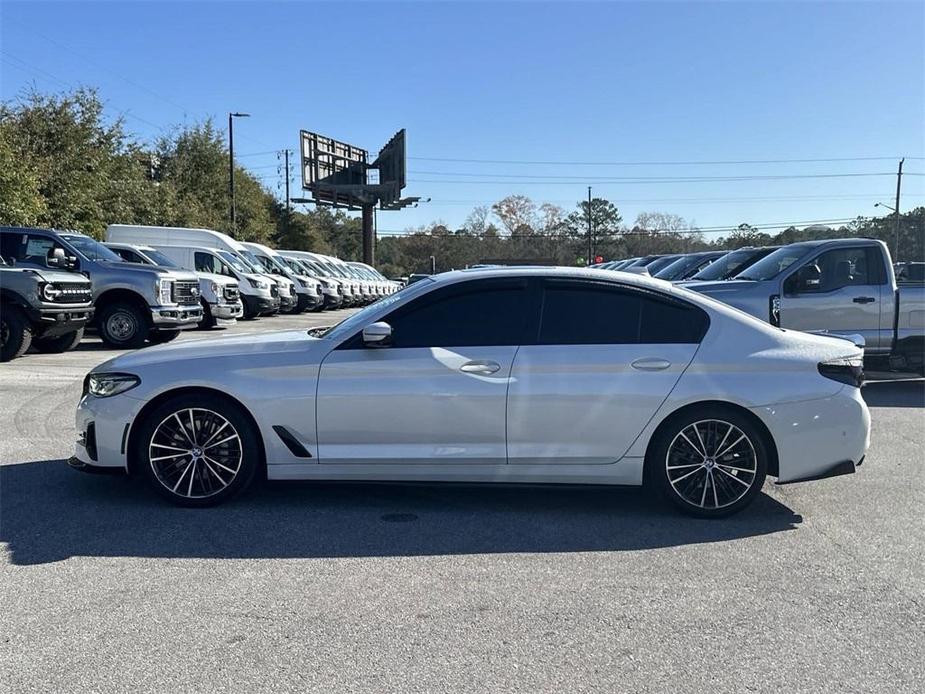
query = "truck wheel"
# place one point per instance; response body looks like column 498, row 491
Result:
column 160, row 337
column 56, row 345
column 249, row 313
column 15, row 333
column 208, row 320
column 123, row 326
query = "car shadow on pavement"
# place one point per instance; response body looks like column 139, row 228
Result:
column 898, row 393
column 49, row 513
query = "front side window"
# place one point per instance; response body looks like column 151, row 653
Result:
column 91, row 248
column 206, row 262
column 578, row 313
column 26, row 248
column 835, row 269
column 478, row 313
column 129, row 256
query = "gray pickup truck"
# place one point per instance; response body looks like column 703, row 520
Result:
column 840, row 286
column 133, row 304
column 44, row 308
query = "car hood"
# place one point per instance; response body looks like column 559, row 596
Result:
column 718, row 286
column 255, row 345
column 48, row 275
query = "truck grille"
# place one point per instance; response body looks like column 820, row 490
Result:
column 231, row 293
column 72, row 292
column 274, row 290
column 185, row 292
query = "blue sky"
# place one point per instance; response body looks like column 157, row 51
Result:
column 585, row 86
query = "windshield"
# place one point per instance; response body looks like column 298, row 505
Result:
column 91, row 249
column 362, row 318
column 672, row 270
column 251, row 259
column 234, row 261
column 159, row 258
column 772, row 265
column 728, row 265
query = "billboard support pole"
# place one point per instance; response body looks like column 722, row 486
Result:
column 369, row 236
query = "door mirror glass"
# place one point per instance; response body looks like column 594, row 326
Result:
column 56, row 258
column 377, row 334
column 808, row 278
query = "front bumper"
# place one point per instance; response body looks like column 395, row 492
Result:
column 261, row 305
column 226, row 311
column 53, row 321
column 332, row 300
column 818, row 438
column 307, row 302
column 287, row 303
column 176, row 317
column 102, row 431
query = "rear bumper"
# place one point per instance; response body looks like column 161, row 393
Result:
column 821, row 438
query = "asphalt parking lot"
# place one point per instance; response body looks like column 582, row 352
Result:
column 326, row 587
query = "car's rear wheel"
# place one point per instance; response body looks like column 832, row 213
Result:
column 710, row 462
column 198, row 450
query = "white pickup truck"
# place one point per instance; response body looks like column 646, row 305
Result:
column 839, row 286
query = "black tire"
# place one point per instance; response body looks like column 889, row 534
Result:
column 160, row 337
column 15, row 333
column 59, row 344
column 248, row 313
column 700, row 483
column 208, row 320
column 160, row 432
column 123, row 326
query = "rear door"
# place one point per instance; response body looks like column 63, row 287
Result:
column 603, row 360
column 843, row 294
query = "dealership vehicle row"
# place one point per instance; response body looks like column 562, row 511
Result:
column 149, row 283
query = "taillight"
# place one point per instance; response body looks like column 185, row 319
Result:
column 848, row 370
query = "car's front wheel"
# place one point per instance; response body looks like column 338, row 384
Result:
column 198, row 449
column 711, row 462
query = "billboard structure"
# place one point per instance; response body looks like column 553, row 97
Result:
column 336, row 174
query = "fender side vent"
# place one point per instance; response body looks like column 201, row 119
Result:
column 292, row 443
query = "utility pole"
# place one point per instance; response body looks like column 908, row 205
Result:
column 288, row 208
column 369, row 235
column 231, row 117
column 590, row 238
column 899, row 180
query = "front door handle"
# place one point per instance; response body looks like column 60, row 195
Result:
column 863, row 299
column 480, row 367
column 651, row 364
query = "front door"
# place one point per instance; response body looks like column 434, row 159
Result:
column 437, row 393
column 838, row 291
column 605, row 360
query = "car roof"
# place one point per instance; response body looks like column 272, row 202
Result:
column 643, row 281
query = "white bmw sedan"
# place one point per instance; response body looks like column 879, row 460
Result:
column 535, row 375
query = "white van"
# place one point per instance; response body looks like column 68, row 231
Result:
column 337, row 291
column 218, row 294
column 260, row 293
column 308, row 289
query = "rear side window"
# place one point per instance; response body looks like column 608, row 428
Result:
column 482, row 313
column 597, row 314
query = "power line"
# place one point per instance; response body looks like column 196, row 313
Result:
column 657, row 163
column 582, row 181
column 625, row 201
column 659, row 179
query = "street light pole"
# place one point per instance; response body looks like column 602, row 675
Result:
column 899, row 180
column 231, row 117
column 590, row 242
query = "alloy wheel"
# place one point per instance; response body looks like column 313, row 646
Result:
column 121, row 325
column 711, row 464
column 195, row 453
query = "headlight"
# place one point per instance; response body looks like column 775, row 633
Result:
column 257, row 284
column 105, row 385
column 162, row 291
column 49, row 292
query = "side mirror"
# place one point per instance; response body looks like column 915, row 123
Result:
column 808, row 278
column 56, row 258
column 377, row 334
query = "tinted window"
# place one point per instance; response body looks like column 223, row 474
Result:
column 840, row 267
column 772, row 265
column 206, row 262
column 480, row 313
column 595, row 314
column 129, row 256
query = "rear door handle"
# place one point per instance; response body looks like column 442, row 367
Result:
column 863, row 299
column 480, row 367
column 651, row 364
